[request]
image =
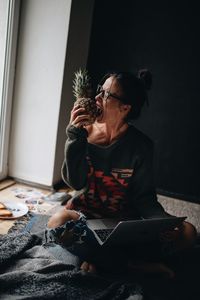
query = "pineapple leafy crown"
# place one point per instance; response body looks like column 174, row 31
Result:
column 82, row 84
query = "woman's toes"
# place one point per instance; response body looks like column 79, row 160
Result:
column 87, row 267
column 84, row 266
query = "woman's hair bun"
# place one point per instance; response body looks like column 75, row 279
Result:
column 146, row 76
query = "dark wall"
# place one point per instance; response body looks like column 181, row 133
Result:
column 164, row 37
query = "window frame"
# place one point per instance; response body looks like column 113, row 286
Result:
column 8, row 82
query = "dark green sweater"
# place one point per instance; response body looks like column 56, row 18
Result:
column 114, row 180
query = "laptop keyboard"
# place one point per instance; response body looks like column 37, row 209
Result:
column 103, row 233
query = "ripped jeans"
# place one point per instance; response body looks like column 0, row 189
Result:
column 75, row 236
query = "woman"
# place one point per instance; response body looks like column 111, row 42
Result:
column 109, row 163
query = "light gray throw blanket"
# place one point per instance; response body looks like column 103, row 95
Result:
column 29, row 270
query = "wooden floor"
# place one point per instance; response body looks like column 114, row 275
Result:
column 8, row 191
column 173, row 206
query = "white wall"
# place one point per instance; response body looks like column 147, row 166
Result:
column 39, row 116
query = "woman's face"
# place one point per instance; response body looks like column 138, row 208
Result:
column 112, row 108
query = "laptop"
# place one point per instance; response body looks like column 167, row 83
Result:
column 110, row 232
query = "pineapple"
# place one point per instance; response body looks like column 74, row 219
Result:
column 83, row 93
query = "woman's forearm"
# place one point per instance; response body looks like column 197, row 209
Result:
column 75, row 168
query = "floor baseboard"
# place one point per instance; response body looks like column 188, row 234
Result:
column 188, row 198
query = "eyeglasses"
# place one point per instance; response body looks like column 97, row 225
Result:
column 105, row 94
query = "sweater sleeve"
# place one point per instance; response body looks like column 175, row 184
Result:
column 75, row 167
column 143, row 192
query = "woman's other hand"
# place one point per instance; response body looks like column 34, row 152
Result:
column 184, row 234
column 171, row 235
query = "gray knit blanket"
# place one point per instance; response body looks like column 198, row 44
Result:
column 29, row 271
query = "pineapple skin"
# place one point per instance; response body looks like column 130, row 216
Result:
column 90, row 108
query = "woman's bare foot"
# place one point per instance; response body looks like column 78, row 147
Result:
column 151, row 268
column 88, row 267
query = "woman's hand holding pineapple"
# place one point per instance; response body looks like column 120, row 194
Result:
column 78, row 116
